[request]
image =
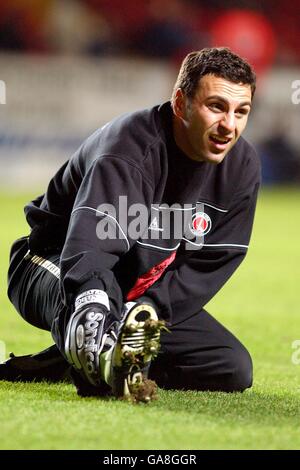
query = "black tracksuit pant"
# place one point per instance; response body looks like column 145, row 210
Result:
column 198, row 354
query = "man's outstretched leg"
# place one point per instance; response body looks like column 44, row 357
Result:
column 48, row 365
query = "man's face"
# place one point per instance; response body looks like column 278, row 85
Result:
column 208, row 126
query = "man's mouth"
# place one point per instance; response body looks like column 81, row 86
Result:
column 219, row 140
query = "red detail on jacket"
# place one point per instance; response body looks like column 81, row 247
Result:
column 146, row 280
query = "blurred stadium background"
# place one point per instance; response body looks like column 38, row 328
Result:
column 69, row 66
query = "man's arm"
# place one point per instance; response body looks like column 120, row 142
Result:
column 195, row 277
column 88, row 256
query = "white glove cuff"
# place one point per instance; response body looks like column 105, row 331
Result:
column 92, row 296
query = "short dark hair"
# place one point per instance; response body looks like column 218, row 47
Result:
column 218, row 61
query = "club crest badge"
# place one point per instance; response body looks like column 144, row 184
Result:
column 200, row 224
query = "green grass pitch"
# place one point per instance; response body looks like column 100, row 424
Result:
column 260, row 304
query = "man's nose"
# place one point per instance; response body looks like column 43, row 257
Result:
column 228, row 122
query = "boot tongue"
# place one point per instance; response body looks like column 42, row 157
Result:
column 110, row 337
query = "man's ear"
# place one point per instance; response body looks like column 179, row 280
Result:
column 179, row 104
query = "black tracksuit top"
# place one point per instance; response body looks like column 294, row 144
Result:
column 136, row 156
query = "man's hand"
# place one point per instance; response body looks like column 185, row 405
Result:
column 86, row 333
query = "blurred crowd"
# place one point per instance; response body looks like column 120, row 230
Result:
column 266, row 33
column 156, row 28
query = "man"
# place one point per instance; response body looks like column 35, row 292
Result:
column 104, row 280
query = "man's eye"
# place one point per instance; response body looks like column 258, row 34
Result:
column 216, row 107
column 242, row 112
